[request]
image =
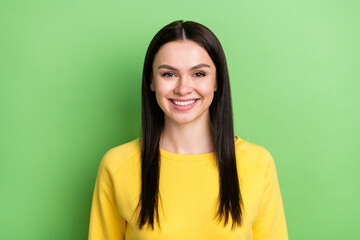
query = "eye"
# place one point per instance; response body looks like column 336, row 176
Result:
column 200, row 74
column 167, row 74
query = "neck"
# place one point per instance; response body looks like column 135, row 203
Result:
column 191, row 138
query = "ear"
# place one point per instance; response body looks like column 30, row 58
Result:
column 152, row 86
column 215, row 87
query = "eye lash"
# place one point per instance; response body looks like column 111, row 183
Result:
column 202, row 74
column 170, row 74
column 166, row 74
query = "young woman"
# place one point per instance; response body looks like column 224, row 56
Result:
column 188, row 176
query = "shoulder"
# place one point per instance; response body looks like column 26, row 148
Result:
column 120, row 155
column 248, row 153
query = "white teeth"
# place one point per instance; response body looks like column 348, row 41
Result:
column 183, row 103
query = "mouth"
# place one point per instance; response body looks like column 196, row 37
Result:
column 183, row 102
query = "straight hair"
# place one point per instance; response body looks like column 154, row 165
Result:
column 152, row 121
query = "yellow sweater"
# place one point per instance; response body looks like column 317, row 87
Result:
column 189, row 190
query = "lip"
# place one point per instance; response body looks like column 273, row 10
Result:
column 186, row 107
column 183, row 100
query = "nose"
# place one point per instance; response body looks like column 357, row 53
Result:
column 184, row 86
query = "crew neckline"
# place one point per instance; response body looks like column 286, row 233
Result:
column 193, row 157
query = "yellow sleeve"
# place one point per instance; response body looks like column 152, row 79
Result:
column 105, row 220
column 270, row 223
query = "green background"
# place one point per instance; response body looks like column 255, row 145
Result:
column 70, row 90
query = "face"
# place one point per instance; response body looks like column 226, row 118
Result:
column 184, row 81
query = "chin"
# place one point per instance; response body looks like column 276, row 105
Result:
column 182, row 120
column 187, row 118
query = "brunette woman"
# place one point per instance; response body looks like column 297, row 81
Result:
column 188, row 176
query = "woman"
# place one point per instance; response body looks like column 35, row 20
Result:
column 188, row 177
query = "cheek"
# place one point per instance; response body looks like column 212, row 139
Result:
column 160, row 101
column 161, row 92
column 207, row 89
column 162, row 88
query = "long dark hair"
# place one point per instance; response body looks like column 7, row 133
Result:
column 152, row 121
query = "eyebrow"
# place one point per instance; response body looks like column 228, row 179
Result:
column 192, row 68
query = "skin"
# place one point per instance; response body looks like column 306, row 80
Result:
column 177, row 78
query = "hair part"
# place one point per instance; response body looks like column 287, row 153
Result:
column 152, row 121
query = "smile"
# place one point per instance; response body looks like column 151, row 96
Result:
column 183, row 103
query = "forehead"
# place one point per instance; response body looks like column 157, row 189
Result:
column 182, row 53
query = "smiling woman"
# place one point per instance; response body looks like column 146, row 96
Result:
column 182, row 84
column 188, row 176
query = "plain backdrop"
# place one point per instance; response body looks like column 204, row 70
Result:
column 70, row 76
